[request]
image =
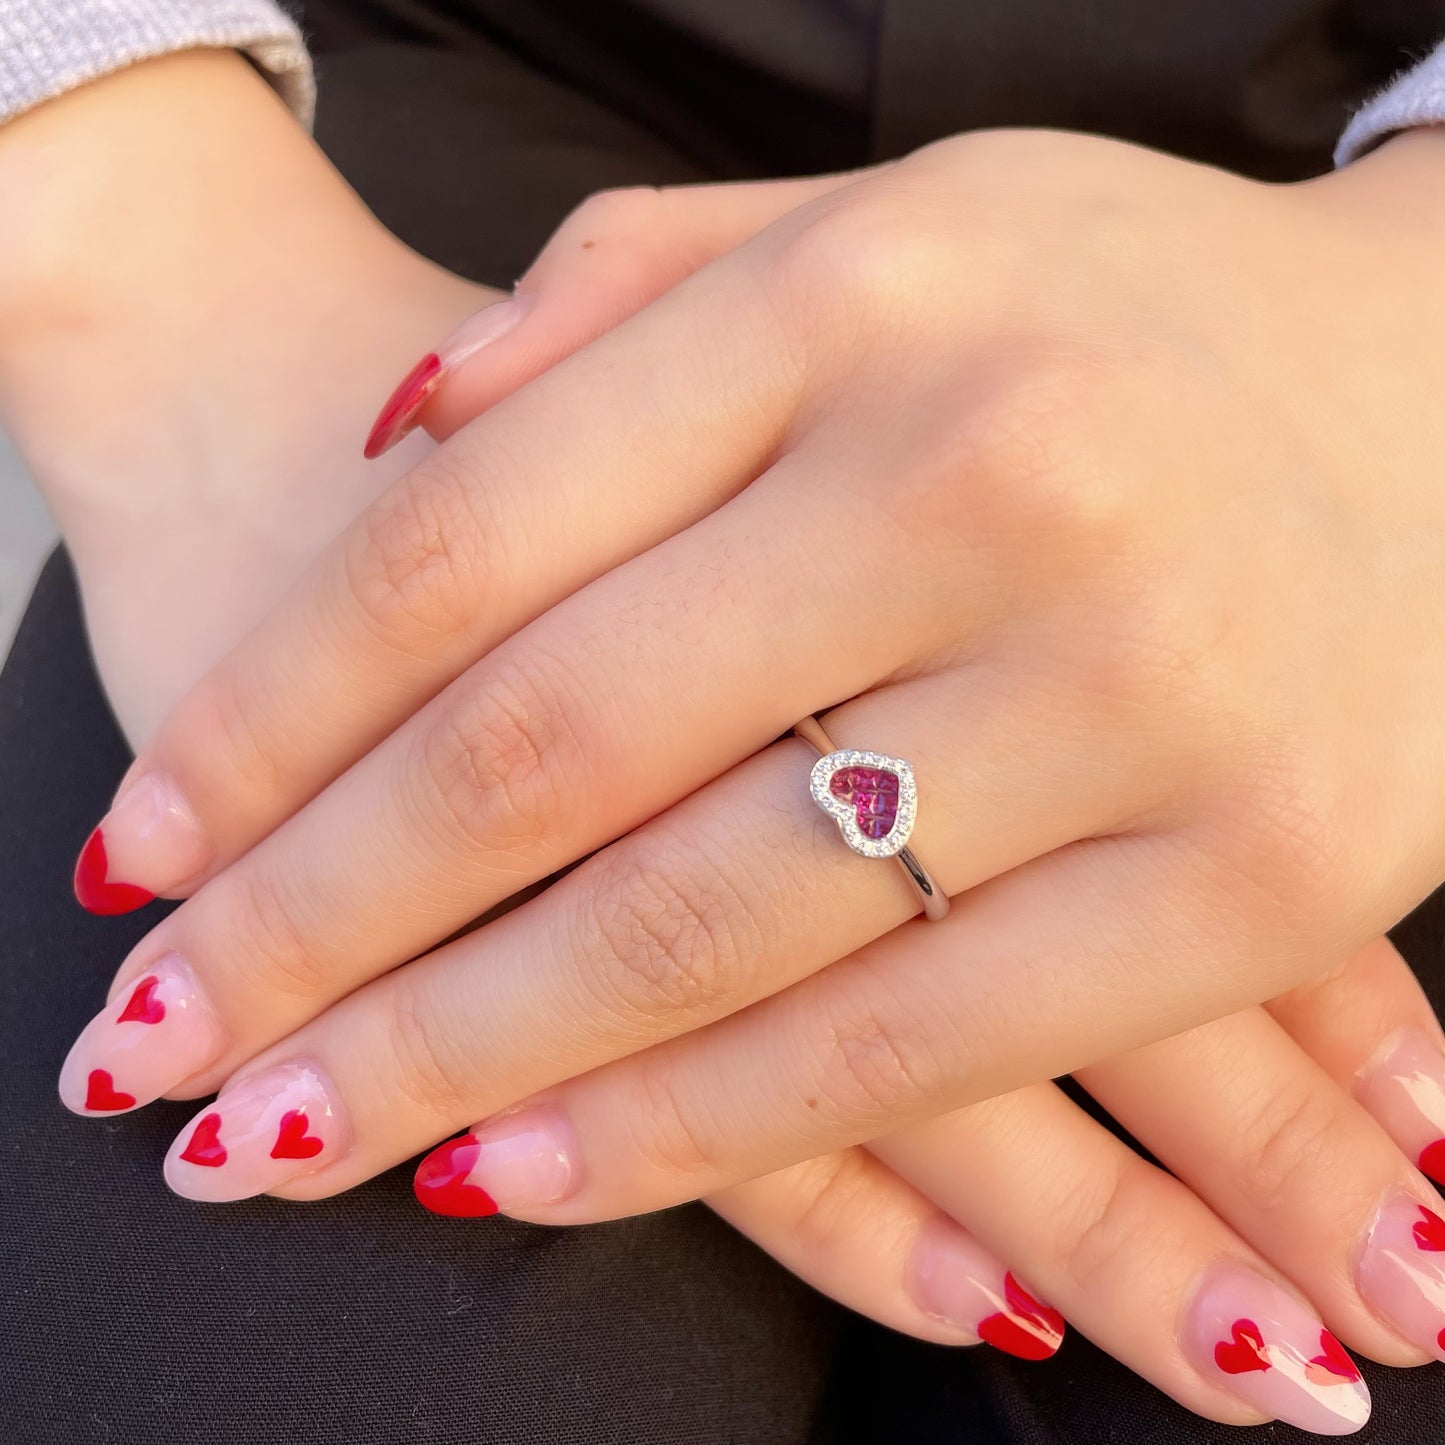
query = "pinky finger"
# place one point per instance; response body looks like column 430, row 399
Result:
column 859, row 1233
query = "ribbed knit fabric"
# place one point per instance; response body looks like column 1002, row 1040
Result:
column 1415, row 97
column 50, row 46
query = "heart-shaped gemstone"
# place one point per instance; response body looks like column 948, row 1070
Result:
column 205, row 1147
column 292, row 1140
column 143, row 1006
column 1243, row 1351
column 873, row 792
column 102, row 1095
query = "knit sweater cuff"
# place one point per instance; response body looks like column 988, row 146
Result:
column 50, row 46
column 1415, row 97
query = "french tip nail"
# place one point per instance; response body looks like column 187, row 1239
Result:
column 441, row 1185
column 397, row 417
column 97, row 893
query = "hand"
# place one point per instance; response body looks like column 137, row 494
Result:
column 1270, row 941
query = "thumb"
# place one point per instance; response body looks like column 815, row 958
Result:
column 615, row 253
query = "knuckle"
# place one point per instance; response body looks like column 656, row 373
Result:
column 432, row 1069
column 837, row 1190
column 265, row 926
column 1289, row 1142
column 1101, row 1227
column 242, row 740
column 496, row 761
column 417, row 562
column 877, row 1068
column 669, row 1135
column 669, row 941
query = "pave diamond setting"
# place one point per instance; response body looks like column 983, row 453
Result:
column 872, row 797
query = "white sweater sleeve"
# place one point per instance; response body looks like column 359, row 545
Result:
column 1415, row 97
column 51, row 46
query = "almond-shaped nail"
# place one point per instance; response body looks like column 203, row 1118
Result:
column 398, row 417
column 149, row 843
column 1401, row 1270
column 1244, row 1333
column 954, row 1279
column 158, row 1031
column 258, row 1134
column 1403, row 1086
column 513, row 1162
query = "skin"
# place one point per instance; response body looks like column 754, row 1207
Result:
column 1192, row 859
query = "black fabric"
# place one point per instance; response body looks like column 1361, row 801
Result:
column 130, row 1317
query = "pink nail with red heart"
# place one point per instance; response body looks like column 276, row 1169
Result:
column 1401, row 1270
column 1251, row 1337
column 258, row 1134
column 1403, row 1086
column 513, row 1163
column 953, row 1279
column 156, row 1032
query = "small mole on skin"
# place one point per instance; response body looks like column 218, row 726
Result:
column 811, row 1103
column 588, row 245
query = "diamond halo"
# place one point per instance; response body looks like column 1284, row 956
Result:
column 844, row 812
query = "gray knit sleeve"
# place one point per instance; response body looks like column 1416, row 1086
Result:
column 51, row 46
column 1415, row 97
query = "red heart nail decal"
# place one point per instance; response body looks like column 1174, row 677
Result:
column 144, row 1007
column 292, row 1140
column 1432, row 1161
column 1243, row 1351
column 205, row 1147
column 95, row 892
column 1333, row 1364
column 440, row 1183
column 1033, row 1331
column 873, row 793
column 102, row 1095
column 1430, row 1231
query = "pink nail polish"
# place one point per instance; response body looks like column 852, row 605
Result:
column 1249, row 1336
column 513, row 1162
column 953, row 1278
column 158, row 1031
column 149, row 843
column 397, row 418
column 256, row 1135
column 1401, row 1270
column 1403, row 1086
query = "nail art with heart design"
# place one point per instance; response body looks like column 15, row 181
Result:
column 257, row 1134
column 1403, row 1086
column 149, row 843
column 954, row 1279
column 514, row 1162
column 158, row 1031
column 1246, row 1334
column 1400, row 1270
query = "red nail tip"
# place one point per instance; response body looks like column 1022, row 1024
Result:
column 1332, row 1364
column 144, row 1007
column 441, row 1184
column 292, row 1140
column 1432, row 1161
column 1430, row 1231
column 397, row 418
column 205, row 1147
column 102, row 1095
column 95, row 892
column 1243, row 1351
column 1032, row 1330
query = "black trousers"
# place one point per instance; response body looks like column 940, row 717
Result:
column 131, row 1317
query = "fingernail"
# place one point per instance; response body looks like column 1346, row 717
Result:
column 514, row 1162
column 149, row 843
column 1403, row 1086
column 1245, row 1333
column 155, row 1033
column 1401, row 1271
column 256, row 1135
column 397, row 419
column 952, row 1278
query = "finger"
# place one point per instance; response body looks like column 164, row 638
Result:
column 1299, row 1169
column 618, row 251
column 1133, row 1259
column 1370, row 1026
column 511, row 517
column 852, row 1228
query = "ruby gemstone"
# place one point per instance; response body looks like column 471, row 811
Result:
column 874, row 795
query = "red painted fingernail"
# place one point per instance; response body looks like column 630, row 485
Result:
column 441, row 1183
column 96, row 891
column 398, row 417
column 1401, row 1270
column 955, row 1280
